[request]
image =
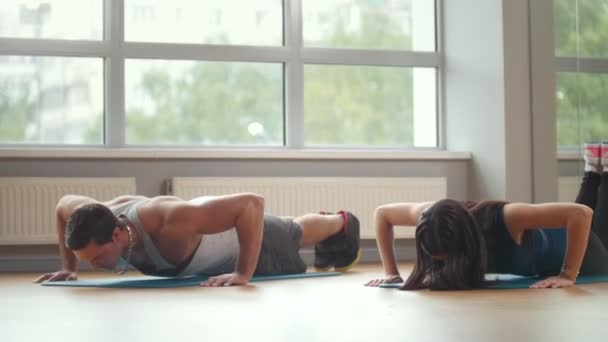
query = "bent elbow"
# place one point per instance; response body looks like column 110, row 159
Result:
column 380, row 213
column 255, row 201
column 584, row 214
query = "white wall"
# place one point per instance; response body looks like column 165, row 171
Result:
column 489, row 108
column 474, row 92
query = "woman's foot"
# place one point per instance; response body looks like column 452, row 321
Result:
column 592, row 153
column 604, row 155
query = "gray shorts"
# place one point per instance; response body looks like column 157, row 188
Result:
column 280, row 247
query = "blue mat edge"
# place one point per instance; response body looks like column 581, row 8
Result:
column 167, row 282
column 515, row 282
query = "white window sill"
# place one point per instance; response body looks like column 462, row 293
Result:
column 569, row 156
column 163, row 153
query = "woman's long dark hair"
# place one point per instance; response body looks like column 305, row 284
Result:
column 451, row 247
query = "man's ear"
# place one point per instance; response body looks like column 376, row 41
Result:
column 115, row 234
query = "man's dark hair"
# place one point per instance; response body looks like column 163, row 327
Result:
column 91, row 222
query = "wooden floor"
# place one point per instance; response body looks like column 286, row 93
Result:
column 323, row 309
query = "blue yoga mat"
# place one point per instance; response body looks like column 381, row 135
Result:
column 162, row 282
column 508, row 281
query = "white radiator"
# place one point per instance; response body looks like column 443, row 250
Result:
column 297, row 196
column 27, row 205
column 567, row 188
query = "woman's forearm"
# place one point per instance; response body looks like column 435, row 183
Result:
column 578, row 228
column 385, row 240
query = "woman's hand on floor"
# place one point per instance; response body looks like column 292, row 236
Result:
column 553, row 282
column 389, row 279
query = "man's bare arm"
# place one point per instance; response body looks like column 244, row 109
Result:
column 66, row 206
column 244, row 212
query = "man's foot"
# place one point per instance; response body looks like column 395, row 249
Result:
column 340, row 251
column 324, row 257
column 351, row 252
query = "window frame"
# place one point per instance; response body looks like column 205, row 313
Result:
column 115, row 51
column 577, row 65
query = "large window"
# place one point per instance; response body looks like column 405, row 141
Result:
column 51, row 100
column 207, row 73
column 581, row 33
column 208, row 103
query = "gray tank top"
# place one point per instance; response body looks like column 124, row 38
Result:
column 216, row 253
column 128, row 210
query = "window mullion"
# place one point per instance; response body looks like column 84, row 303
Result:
column 115, row 121
column 294, row 75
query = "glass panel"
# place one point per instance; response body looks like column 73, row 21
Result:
column 593, row 28
column 52, row 19
column 204, row 103
column 591, row 123
column 370, row 24
column 251, row 22
column 377, row 106
column 51, row 100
